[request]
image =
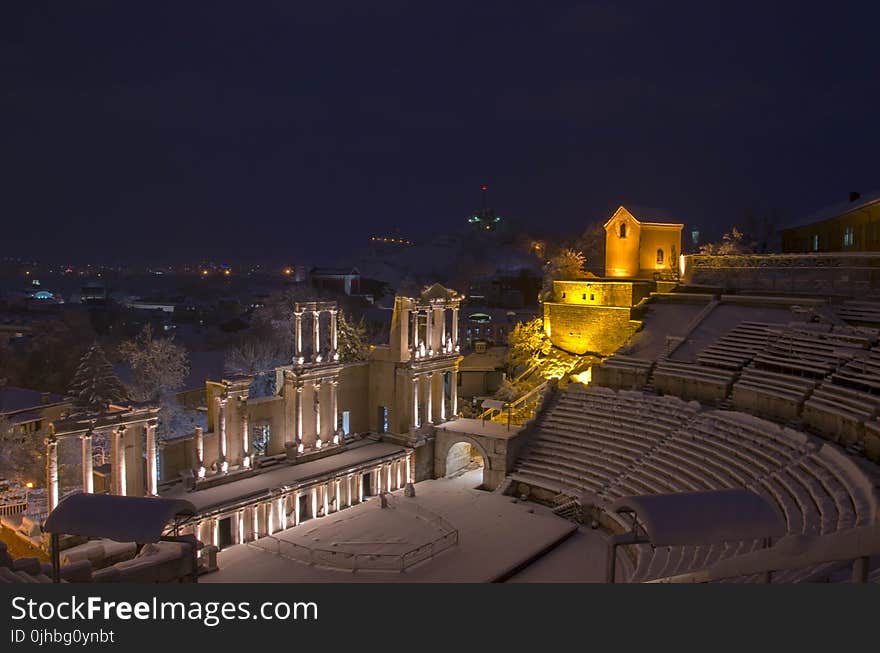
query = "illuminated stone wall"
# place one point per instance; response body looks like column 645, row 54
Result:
column 667, row 239
column 579, row 329
column 845, row 273
column 633, row 252
column 600, row 293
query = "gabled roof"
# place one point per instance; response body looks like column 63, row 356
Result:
column 833, row 211
column 622, row 211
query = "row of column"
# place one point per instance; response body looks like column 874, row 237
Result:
column 423, row 394
column 434, row 343
column 270, row 516
column 119, row 479
column 317, row 354
column 299, row 407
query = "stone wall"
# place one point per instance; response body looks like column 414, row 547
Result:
column 581, row 329
column 833, row 273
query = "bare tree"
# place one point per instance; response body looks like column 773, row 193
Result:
column 159, row 365
column 566, row 265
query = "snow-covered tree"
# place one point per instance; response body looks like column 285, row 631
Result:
column 95, row 385
column 731, row 243
column 527, row 341
column 258, row 357
column 159, row 365
column 21, row 454
column 353, row 339
column 566, row 265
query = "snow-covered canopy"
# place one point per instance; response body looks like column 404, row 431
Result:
column 703, row 517
column 124, row 519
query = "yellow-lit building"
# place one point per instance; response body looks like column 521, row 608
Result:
column 639, row 250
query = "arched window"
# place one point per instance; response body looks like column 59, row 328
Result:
column 623, row 230
column 660, row 255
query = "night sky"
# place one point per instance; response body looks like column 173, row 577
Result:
column 150, row 130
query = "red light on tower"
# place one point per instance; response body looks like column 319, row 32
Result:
column 484, row 188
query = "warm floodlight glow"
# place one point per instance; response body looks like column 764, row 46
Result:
column 583, row 377
column 29, row 485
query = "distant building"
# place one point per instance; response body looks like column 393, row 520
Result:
column 640, row 250
column 29, row 412
column 491, row 326
column 852, row 226
column 343, row 280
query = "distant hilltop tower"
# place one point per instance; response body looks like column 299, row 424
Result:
column 484, row 218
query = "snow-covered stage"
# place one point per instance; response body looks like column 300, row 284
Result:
column 447, row 532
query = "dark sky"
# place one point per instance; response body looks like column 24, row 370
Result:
column 293, row 129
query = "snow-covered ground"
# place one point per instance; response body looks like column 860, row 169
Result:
column 496, row 534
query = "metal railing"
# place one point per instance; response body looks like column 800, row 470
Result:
column 527, row 403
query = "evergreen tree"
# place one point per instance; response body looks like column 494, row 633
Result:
column 95, row 385
column 354, row 343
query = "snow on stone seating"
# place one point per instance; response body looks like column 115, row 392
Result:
column 861, row 373
column 770, row 394
column 693, row 382
column 622, row 372
column 856, row 311
column 607, row 444
column 736, row 348
column 840, row 412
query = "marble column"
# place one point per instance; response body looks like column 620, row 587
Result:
column 415, row 330
column 316, row 336
column 317, row 402
column 338, row 496
column 88, row 463
column 52, row 472
column 119, row 460
column 245, row 435
column 443, row 330
column 429, row 415
column 223, row 463
column 453, row 390
column 326, row 492
column 298, row 410
column 333, row 335
column 314, row 493
column 443, row 378
column 415, row 415
column 152, row 466
column 455, row 328
column 298, row 341
column 200, row 452
column 334, row 409
column 297, row 518
column 429, row 335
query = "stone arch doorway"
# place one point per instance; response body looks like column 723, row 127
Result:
column 465, row 463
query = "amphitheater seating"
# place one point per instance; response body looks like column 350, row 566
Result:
column 736, row 348
column 598, row 443
column 840, row 412
column 860, row 312
column 692, row 382
column 624, row 372
column 770, row 394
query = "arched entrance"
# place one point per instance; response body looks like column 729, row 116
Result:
column 465, row 463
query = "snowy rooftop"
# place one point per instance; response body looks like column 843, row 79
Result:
column 285, row 475
column 14, row 399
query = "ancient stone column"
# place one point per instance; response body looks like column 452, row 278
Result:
column 429, row 340
column 333, row 333
column 455, row 328
column 200, row 452
column 338, row 495
column 409, row 474
column 296, row 516
column 453, row 390
column 443, row 330
column 298, row 409
column 415, row 329
column 87, row 463
column 298, row 343
column 326, row 491
column 52, row 472
column 119, row 460
column 429, row 415
column 314, row 501
column 316, row 336
column 223, row 464
column 152, row 467
column 245, row 436
column 334, row 406
column 415, row 415
column 443, row 378
column 317, row 403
